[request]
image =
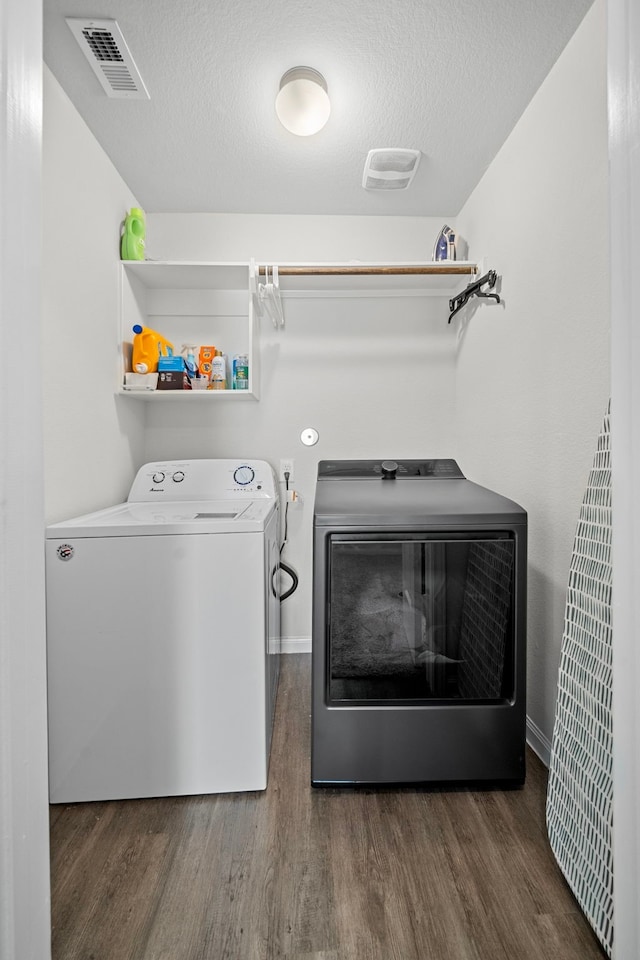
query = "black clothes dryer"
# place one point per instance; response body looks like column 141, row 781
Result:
column 419, row 627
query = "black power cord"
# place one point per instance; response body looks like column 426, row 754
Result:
column 283, row 566
column 286, row 507
column 294, row 578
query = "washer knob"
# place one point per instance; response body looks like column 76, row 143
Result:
column 389, row 469
column 243, row 475
column 158, row 477
column 178, row 476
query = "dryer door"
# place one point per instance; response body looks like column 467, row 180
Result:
column 421, row 618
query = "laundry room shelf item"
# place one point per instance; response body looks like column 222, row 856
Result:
column 190, row 302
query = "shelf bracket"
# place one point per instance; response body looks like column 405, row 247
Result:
column 474, row 290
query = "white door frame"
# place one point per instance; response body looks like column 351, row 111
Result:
column 624, row 156
column 25, row 926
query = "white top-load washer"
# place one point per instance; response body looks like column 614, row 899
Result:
column 163, row 635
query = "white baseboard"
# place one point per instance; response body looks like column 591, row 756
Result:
column 296, row 645
column 538, row 742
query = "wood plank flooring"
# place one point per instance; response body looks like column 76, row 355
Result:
column 302, row 874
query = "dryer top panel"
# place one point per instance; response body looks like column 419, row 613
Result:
column 409, row 494
column 389, row 469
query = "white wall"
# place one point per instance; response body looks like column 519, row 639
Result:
column 92, row 440
column 533, row 374
column 374, row 376
column 24, row 821
column 285, row 237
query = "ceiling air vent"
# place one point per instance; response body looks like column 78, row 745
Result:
column 390, row 168
column 105, row 48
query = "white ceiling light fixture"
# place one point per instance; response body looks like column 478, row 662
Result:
column 390, row 168
column 303, row 104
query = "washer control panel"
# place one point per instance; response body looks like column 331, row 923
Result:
column 204, row 480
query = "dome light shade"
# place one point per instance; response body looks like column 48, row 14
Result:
column 302, row 104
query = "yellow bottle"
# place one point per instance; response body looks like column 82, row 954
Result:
column 148, row 345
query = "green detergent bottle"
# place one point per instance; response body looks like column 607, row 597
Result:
column 133, row 234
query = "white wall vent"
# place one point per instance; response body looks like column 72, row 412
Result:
column 105, row 48
column 390, row 168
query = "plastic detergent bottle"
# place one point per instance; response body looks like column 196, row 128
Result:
column 241, row 372
column 133, row 235
column 189, row 352
column 148, row 345
column 219, row 371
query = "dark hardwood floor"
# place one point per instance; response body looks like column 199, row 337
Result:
column 393, row 874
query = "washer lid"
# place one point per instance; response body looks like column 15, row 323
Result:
column 194, row 517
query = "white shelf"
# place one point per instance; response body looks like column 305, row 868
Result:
column 189, row 275
column 187, row 396
column 189, row 302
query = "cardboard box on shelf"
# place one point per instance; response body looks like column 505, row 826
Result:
column 173, row 380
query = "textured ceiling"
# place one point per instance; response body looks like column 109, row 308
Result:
column 449, row 79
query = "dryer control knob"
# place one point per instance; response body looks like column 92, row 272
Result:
column 389, row 469
column 178, row 476
column 158, row 477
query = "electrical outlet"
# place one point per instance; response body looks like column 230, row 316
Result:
column 286, row 466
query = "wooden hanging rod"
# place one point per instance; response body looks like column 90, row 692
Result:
column 355, row 270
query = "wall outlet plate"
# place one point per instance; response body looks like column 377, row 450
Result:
column 286, row 466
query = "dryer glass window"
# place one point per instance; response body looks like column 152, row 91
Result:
column 421, row 619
